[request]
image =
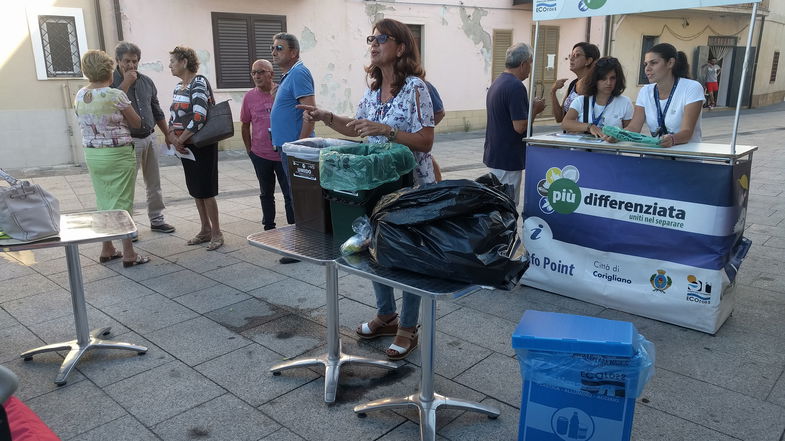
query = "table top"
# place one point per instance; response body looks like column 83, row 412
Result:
column 79, row 228
column 425, row 286
column 702, row 150
column 306, row 245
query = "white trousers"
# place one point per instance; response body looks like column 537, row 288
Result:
column 513, row 178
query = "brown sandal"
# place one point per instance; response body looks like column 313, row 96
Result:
column 378, row 328
column 395, row 352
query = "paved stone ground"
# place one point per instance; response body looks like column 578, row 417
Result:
column 215, row 322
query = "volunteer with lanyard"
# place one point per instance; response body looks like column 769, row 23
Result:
column 603, row 104
column 671, row 104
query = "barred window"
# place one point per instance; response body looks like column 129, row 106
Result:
column 58, row 41
column 60, row 46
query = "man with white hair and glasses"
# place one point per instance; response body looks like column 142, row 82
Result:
column 508, row 113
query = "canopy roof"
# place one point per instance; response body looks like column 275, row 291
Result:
column 558, row 9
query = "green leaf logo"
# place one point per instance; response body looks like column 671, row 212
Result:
column 594, row 4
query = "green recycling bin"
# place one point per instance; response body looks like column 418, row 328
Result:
column 356, row 176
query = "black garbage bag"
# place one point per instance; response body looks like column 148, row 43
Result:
column 457, row 229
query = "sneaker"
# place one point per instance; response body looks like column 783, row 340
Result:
column 162, row 228
column 286, row 260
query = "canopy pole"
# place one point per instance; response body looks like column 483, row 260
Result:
column 743, row 82
column 529, row 119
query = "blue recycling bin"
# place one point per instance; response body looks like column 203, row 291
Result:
column 581, row 376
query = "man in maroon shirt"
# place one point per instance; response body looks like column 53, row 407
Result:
column 255, row 118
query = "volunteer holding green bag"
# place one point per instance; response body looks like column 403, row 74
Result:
column 395, row 108
column 671, row 103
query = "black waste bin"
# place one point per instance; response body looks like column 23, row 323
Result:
column 311, row 210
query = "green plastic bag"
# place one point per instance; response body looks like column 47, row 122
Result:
column 363, row 166
column 626, row 135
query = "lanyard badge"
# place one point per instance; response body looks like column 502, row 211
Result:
column 662, row 129
column 596, row 121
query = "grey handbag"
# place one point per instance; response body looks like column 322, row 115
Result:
column 27, row 211
column 219, row 125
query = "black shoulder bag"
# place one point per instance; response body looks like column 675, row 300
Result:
column 219, row 124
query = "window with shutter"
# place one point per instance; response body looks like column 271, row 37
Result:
column 502, row 40
column 239, row 40
column 774, row 64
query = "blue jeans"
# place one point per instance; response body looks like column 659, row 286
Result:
column 385, row 304
column 285, row 164
column 266, row 173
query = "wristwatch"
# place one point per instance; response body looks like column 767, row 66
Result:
column 391, row 135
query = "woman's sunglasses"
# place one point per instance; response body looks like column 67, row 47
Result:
column 381, row 38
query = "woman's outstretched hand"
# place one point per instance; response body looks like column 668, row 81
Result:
column 313, row 113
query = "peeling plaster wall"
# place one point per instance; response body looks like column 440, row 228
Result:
column 472, row 28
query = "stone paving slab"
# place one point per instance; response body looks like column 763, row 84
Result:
column 245, row 373
column 290, row 335
column 88, row 407
column 222, row 419
column 246, row 315
column 197, row 340
column 742, row 416
column 126, row 428
column 37, row 377
column 64, row 329
column 179, row 282
column 163, row 392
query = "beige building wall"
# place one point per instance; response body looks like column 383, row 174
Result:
column 36, row 116
column 685, row 29
column 767, row 92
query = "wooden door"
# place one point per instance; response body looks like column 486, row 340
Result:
column 546, row 65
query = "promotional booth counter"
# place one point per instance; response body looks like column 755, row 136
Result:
column 647, row 230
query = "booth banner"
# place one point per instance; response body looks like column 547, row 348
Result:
column 558, row 9
column 646, row 235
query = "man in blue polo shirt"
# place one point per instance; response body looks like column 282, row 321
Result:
column 296, row 87
column 508, row 113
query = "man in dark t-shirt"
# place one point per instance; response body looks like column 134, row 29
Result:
column 508, row 113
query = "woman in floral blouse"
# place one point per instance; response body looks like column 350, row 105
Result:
column 104, row 115
column 188, row 116
column 397, row 108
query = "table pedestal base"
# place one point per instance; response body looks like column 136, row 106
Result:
column 426, row 400
column 76, row 350
column 426, row 409
column 332, row 368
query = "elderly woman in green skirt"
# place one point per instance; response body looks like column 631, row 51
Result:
column 104, row 115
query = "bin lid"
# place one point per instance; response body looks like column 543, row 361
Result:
column 308, row 148
column 577, row 334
